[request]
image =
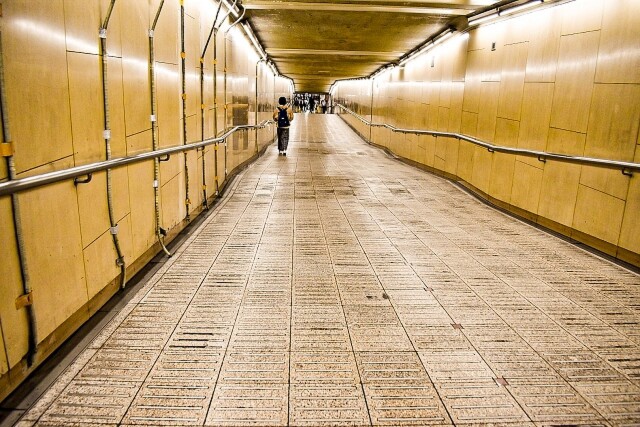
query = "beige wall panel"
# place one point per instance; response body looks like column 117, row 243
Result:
column 459, row 57
column 598, row 214
column 116, row 112
column 582, row 16
column 4, row 173
column 472, row 82
column 443, row 119
column 455, row 116
column 536, row 116
column 630, row 230
column 574, row 81
column 14, row 322
column 135, row 26
column 210, row 172
column 445, row 94
column 492, row 63
column 619, row 56
column 501, row 181
column 527, row 182
column 544, row 44
column 427, row 93
column 503, row 164
column 99, row 263
column 519, row 29
column 139, row 143
column 135, row 60
column 193, row 51
column 512, row 81
column 120, row 192
column 36, row 82
column 483, row 36
column 193, row 130
column 87, row 121
column 559, row 192
column 446, row 62
column 608, row 181
column 194, row 179
column 489, row 95
column 56, row 269
column 438, row 59
column 167, row 34
column 82, row 21
column 142, row 207
column 4, row 364
column 564, row 142
column 433, row 116
column 173, row 207
column 169, row 107
column 467, row 150
column 171, row 168
column 92, row 205
column 451, row 157
column 137, row 104
column 429, row 151
column 613, row 121
column 507, row 132
column 482, row 163
column 469, row 124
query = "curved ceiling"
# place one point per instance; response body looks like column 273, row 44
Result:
column 316, row 42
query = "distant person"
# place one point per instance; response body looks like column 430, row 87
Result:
column 323, row 104
column 312, row 105
column 283, row 117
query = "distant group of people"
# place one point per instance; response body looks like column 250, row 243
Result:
column 311, row 103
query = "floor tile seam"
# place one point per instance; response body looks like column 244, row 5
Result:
column 195, row 235
column 480, row 354
column 235, row 322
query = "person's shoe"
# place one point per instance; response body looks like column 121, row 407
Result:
column 284, row 153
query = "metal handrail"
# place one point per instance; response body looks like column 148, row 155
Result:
column 625, row 167
column 22, row 184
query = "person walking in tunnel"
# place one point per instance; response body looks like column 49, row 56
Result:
column 283, row 116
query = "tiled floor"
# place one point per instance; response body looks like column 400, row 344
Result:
column 337, row 286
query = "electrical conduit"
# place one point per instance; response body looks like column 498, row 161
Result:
column 226, row 32
column 215, row 93
column 107, row 139
column 160, row 232
column 32, row 324
column 202, row 107
column 183, row 55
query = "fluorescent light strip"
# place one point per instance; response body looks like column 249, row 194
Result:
column 477, row 21
column 520, row 7
column 254, row 41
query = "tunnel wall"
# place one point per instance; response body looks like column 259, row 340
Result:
column 53, row 75
column 565, row 79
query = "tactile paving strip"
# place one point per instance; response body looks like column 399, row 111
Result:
column 337, row 286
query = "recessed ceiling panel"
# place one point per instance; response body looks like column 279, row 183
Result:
column 316, row 42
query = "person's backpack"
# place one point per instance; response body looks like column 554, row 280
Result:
column 283, row 117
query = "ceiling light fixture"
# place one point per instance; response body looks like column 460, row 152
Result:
column 519, row 7
column 256, row 45
column 440, row 38
column 480, row 19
